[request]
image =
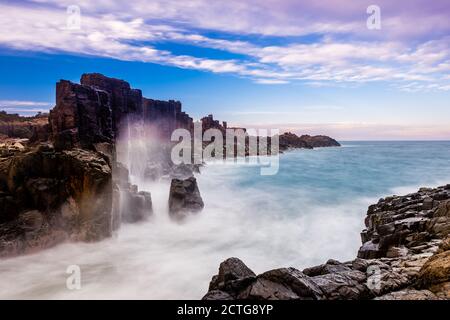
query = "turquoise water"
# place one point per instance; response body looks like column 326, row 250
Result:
column 357, row 169
column 311, row 211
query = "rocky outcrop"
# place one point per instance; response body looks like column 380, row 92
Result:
column 123, row 100
column 100, row 109
column 287, row 140
column 397, row 225
column 184, row 198
column 81, row 118
column 48, row 196
column 33, row 128
column 320, row 141
column 208, row 123
column 60, row 175
column 290, row 140
column 405, row 256
column 163, row 117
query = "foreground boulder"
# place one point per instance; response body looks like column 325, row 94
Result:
column 184, row 197
column 235, row 280
column 48, row 196
column 405, row 256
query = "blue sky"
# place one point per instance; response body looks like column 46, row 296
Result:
column 292, row 65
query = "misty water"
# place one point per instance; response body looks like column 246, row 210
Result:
column 312, row 210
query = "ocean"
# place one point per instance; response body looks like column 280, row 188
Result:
column 309, row 212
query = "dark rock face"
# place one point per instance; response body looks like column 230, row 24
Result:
column 407, row 221
column 230, row 270
column 124, row 101
column 129, row 204
column 51, row 196
column 236, row 280
column 348, row 285
column 405, row 255
column 139, row 206
column 82, row 116
column 320, row 141
column 208, row 122
column 99, row 109
column 184, row 197
column 290, row 140
column 164, row 117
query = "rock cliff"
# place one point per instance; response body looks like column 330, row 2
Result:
column 60, row 174
column 48, row 196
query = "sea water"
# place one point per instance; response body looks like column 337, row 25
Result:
column 309, row 212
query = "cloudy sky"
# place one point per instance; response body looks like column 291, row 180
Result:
column 305, row 66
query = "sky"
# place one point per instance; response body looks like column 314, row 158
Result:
column 315, row 67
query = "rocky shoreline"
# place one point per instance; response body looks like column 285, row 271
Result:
column 62, row 174
column 405, row 255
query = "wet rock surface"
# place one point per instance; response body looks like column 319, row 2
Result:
column 184, row 198
column 405, row 256
column 47, row 196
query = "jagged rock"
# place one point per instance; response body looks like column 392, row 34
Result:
column 217, row 295
column 57, row 196
column 101, row 109
column 427, row 203
column 409, row 294
column 233, row 277
column 360, row 264
column 239, row 282
column 320, row 141
column 290, row 140
column 230, row 270
column 440, row 222
column 138, row 206
column 347, row 285
column 389, row 280
column 369, row 250
column 331, row 266
column 184, row 197
column 164, row 117
column 395, row 252
column 264, row 289
column 436, row 270
column 82, row 116
column 302, row 285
